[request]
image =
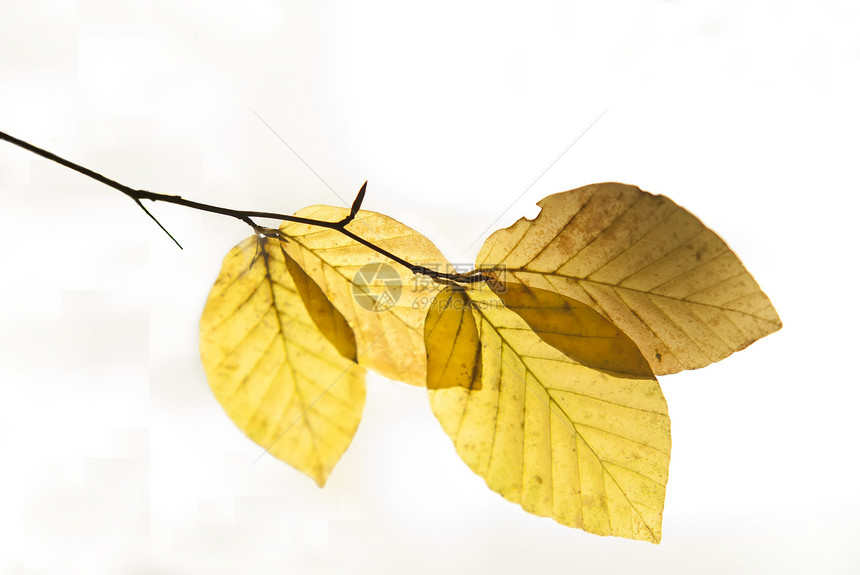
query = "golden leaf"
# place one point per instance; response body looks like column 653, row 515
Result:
column 585, row 447
column 330, row 322
column 573, row 328
column 280, row 380
column 650, row 267
column 451, row 338
column 383, row 302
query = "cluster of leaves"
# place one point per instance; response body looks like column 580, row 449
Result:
column 540, row 363
column 542, row 373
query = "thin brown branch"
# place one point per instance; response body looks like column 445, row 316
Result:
column 242, row 215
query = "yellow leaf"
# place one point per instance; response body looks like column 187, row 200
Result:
column 451, row 338
column 585, row 447
column 280, row 380
column 650, row 267
column 573, row 328
column 331, row 322
column 383, row 302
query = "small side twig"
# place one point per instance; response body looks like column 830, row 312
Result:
column 154, row 219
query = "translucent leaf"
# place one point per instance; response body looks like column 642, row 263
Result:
column 280, row 380
column 451, row 338
column 650, row 267
column 573, row 328
column 585, row 447
column 331, row 322
column 383, row 302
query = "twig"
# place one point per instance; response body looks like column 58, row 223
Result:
column 243, row 215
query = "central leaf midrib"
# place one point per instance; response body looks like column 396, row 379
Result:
column 296, row 382
column 640, row 291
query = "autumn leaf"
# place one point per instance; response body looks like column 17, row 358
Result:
column 585, row 447
column 383, row 302
column 573, row 328
column 272, row 363
column 329, row 321
column 650, row 267
column 451, row 338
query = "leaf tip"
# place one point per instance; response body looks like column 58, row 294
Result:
column 320, row 479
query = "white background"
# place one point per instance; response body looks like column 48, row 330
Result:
column 117, row 459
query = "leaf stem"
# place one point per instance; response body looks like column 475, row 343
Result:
column 243, row 215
